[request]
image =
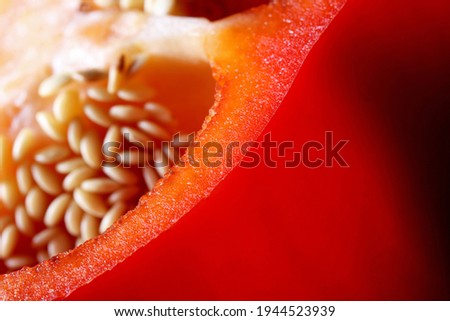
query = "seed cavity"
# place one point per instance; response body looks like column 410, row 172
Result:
column 63, row 194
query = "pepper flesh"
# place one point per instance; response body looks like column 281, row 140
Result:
column 255, row 57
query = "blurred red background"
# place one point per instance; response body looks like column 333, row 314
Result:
column 378, row 230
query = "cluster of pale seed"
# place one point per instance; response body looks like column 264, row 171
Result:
column 61, row 195
column 153, row 7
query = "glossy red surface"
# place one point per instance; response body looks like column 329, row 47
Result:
column 376, row 230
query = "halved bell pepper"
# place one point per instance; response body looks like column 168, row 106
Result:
column 255, row 56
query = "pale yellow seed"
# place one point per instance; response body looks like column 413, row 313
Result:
column 121, row 175
column 10, row 238
column 114, row 213
column 89, row 75
column 56, row 210
column 46, row 179
column 98, row 115
column 50, row 126
column 74, row 135
column 61, row 243
column 23, row 222
column 154, row 130
column 51, row 154
column 105, row 3
column 67, row 105
column 99, row 94
column 91, row 149
column 72, row 219
column 36, row 203
column 19, row 261
column 89, row 227
column 137, row 137
column 75, row 178
column 136, row 94
column 67, row 166
column 123, row 195
column 159, row 112
column 90, row 203
column 24, row 144
column 42, row 256
column 24, row 178
column 131, row 4
column 42, row 238
column 9, row 194
column 53, row 84
column 113, row 135
column 150, row 177
column 115, row 79
column 127, row 113
column 159, row 7
column 100, row 185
